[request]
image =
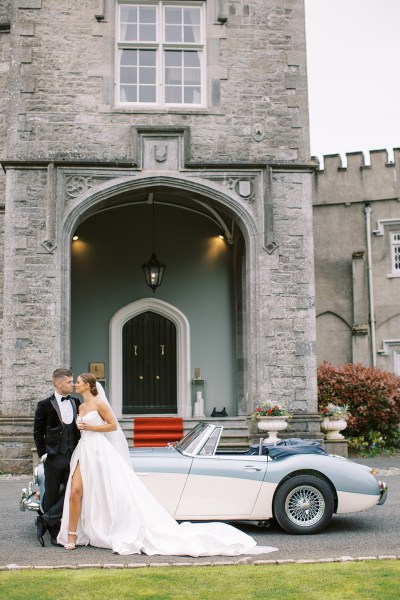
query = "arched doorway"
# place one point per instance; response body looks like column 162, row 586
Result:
column 204, row 281
column 166, row 314
column 149, row 365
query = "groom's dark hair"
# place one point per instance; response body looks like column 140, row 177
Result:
column 60, row 373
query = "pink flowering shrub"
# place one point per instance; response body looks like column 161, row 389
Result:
column 371, row 395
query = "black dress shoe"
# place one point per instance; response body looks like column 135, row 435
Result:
column 41, row 528
column 53, row 540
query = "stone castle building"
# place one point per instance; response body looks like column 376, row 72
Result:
column 357, row 260
column 151, row 126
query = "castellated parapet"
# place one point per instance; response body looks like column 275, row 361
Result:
column 358, row 182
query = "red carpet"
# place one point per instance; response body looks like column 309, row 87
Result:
column 156, row 431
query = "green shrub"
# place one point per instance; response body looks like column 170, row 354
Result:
column 373, row 398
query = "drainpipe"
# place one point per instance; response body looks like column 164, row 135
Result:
column 368, row 210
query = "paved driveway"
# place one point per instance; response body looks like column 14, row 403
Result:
column 372, row 533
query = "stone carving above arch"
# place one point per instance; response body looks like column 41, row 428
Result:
column 245, row 188
column 79, row 182
column 75, row 185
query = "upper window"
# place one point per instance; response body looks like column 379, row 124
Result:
column 161, row 53
column 395, row 247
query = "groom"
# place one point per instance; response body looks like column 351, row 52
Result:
column 56, row 435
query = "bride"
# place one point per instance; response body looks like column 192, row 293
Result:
column 106, row 505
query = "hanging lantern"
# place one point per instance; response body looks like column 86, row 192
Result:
column 153, row 269
column 153, row 272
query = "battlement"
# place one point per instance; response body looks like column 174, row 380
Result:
column 358, row 182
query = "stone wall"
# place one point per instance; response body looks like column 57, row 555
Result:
column 63, row 104
column 341, row 195
column 70, row 151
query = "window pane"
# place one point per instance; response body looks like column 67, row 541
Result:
column 173, row 58
column 128, row 32
column 191, row 35
column 173, row 95
column 128, row 57
column 147, row 93
column 147, row 75
column 173, row 15
column 128, row 26
column 128, row 14
column 191, row 16
column 147, row 14
column 147, row 58
column 397, row 258
column 191, row 20
column 173, row 33
column 147, row 33
column 192, row 95
column 191, row 59
column 128, row 75
column 128, row 93
column 192, row 76
column 173, row 76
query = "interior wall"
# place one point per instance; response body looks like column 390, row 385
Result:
column 107, row 275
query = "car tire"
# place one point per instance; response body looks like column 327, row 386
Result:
column 304, row 504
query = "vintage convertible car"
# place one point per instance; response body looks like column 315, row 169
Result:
column 295, row 482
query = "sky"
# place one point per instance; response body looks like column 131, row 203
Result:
column 353, row 56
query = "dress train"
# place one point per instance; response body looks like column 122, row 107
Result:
column 118, row 511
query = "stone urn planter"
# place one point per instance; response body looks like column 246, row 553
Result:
column 333, row 427
column 272, row 425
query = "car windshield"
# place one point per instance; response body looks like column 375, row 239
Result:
column 191, row 440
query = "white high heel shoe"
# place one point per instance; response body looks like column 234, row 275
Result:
column 71, row 545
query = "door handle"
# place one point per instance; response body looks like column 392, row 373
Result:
column 135, row 349
column 162, row 349
column 252, row 468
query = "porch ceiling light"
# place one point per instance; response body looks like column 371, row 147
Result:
column 153, row 269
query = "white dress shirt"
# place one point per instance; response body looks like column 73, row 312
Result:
column 67, row 414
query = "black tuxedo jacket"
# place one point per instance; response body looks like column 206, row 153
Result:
column 47, row 427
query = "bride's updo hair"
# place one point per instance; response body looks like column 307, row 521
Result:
column 91, row 380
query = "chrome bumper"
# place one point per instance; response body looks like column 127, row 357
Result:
column 384, row 492
column 29, row 499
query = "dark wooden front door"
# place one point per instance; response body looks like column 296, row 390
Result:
column 149, row 365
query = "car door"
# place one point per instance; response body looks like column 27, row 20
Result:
column 222, row 487
column 164, row 476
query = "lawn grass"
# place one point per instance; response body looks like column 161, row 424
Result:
column 366, row 580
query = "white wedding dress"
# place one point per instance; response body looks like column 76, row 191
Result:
column 118, row 511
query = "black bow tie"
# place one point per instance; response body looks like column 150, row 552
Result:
column 65, row 398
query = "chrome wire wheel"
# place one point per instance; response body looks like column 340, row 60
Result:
column 305, row 505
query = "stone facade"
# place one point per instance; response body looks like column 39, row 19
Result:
column 356, row 215
column 71, row 151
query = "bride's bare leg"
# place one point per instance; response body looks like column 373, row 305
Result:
column 75, row 502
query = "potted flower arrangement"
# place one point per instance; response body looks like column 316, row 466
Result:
column 334, row 420
column 271, row 417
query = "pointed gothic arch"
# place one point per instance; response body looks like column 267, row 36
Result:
column 102, row 197
column 183, row 350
